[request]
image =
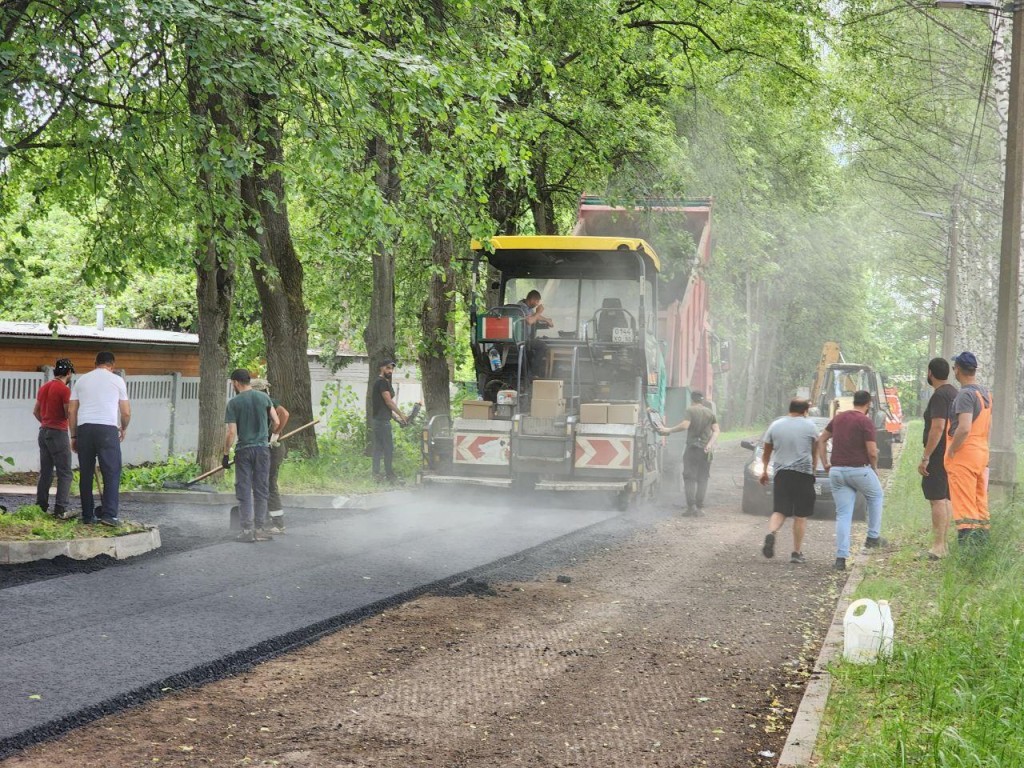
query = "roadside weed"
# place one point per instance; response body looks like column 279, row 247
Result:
column 953, row 692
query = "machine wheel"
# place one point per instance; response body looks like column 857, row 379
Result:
column 626, row 500
column 755, row 502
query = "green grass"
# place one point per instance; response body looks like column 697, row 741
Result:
column 953, row 693
column 30, row 523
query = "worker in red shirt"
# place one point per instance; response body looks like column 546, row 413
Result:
column 853, row 466
column 51, row 411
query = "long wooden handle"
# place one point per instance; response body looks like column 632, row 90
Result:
column 215, row 470
column 299, row 429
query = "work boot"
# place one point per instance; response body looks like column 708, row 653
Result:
column 840, row 564
column 768, row 550
column 875, row 542
column 63, row 513
column 248, row 535
column 689, row 512
column 262, row 534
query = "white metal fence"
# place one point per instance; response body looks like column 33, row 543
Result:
column 165, row 414
column 165, row 418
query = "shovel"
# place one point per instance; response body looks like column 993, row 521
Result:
column 187, row 484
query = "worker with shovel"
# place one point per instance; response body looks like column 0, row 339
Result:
column 278, row 452
column 249, row 414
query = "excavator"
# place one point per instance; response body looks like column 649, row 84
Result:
column 835, row 382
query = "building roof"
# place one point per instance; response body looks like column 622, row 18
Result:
column 10, row 329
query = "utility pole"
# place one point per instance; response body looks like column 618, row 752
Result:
column 1003, row 458
column 949, row 300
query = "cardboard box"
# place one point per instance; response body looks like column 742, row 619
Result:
column 547, row 409
column 628, row 413
column 594, row 413
column 477, row 409
column 547, row 389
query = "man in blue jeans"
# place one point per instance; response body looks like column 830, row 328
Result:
column 852, row 467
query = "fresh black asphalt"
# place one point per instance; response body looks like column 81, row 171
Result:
column 95, row 639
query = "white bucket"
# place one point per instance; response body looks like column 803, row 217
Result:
column 507, row 397
column 867, row 631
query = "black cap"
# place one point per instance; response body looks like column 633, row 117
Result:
column 697, row 396
column 387, row 363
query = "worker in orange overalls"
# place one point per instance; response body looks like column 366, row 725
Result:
column 970, row 419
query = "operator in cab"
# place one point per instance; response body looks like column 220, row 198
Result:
column 534, row 310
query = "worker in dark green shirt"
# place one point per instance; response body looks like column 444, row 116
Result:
column 250, row 417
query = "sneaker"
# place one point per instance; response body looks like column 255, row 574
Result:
column 277, row 530
column 248, row 535
column 768, row 550
column 262, row 534
column 875, row 542
column 797, row 557
column 110, row 522
column 840, row 564
column 63, row 513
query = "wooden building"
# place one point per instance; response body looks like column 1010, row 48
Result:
column 31, row 346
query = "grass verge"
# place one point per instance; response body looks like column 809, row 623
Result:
column 953, row 692
column 30, row 523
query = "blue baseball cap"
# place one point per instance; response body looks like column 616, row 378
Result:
column 966, row 360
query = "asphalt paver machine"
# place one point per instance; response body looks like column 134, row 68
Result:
column 564, row 407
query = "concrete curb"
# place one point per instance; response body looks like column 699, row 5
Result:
column 293, row 501
column 798, row 751
column 117, row 547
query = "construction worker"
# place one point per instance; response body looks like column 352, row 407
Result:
column 853, row 467
column 970, row 418
column 701, row 427
column 932, row 468
column 278, row 452
column 51, row 411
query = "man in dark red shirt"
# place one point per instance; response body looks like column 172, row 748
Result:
column 51, row 411
column 852, row 467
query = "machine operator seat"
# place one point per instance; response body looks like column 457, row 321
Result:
column 610, row 316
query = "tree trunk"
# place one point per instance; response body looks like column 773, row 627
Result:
column 754, row 346
column 215, row 270
column 277, row 272
column 437, row 308
column 542, row 204
column 379, row 334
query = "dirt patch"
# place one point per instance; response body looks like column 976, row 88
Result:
column 681, row 647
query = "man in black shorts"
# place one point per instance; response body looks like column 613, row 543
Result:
column 790, row 440
column 934, row 481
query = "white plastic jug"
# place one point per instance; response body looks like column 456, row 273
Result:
column 866, row 633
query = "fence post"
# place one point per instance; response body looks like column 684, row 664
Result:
column 175, row 392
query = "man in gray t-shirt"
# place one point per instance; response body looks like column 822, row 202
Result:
column 789, row 446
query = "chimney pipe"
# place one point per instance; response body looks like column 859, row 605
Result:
column 99, row 316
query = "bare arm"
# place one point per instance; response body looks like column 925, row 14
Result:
column 682, row 426
column 275, row 420
column 712, row 439
column 282, row 416
column 229, row 438
column 938, row 426
column 73, row 424
column 125, row 410
column 766, row 458
column 389, row 401
column 872, row 448
column 822, row 448
column 963, row 428
column 37, row 412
